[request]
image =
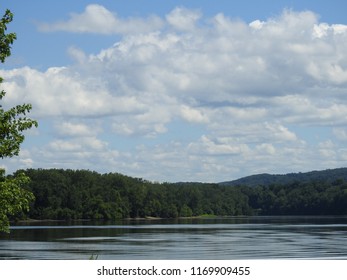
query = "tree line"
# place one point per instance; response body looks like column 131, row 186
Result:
column 83, row 194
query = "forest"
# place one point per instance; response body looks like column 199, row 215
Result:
column 83, row 194
column 327, row 176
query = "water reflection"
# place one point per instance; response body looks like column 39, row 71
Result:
column 222, row 238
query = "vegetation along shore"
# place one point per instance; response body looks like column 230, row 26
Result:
column 82, row 194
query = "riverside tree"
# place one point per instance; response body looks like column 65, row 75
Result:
column 13, row 122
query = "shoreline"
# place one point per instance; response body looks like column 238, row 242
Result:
column 147, row 218
column 151, row 218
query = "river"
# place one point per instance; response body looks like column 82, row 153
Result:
column 299, row 237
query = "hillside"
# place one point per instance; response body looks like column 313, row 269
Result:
column 329, row 176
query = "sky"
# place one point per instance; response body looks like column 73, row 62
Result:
column 170, row 91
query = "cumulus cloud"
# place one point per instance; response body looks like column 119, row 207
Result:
column 97, row 19
column 193, row 115
column 183, row 19
column 77, row 129
column 266, row 148
column 280, row 132
column 77, row 54
column 244, row 89
column 62, row 92
column 218, row 146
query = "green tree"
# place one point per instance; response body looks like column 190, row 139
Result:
column 13, row 198
column 186, row 211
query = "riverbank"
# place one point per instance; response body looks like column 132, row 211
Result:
column 147, row 218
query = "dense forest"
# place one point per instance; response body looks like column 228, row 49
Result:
column 83, row 194
column 328, row 176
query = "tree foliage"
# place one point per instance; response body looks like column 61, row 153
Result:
column 13, row 121
column 83, row 194
column 328, row 175
column 13, row 198
column 6, row 40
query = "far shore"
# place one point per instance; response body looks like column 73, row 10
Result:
column 147, row 218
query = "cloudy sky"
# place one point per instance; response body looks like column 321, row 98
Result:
column 180, row 90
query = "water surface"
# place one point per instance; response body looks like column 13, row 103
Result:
column 219, row 238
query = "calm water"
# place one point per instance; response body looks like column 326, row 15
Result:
column 223, row 238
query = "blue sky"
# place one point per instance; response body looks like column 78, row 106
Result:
column 180, row 90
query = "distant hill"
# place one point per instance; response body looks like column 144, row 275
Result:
column 329, row 175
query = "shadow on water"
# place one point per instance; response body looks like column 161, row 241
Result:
column 204, row 238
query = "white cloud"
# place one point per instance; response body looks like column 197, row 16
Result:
column 267, row 148
column 97, row 19
column 75, row 129
column 183, row 19
column 340, row 133
column 218, row 146
column 77, row 54
column 59, row 91
column 280, row 133
column 323, row 29
column 78, row 145
column 327, row 149
column 257, row 24
column 193, row 115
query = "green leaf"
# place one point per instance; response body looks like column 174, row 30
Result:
column 13, row 198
